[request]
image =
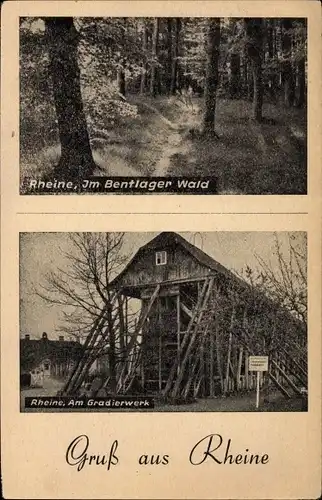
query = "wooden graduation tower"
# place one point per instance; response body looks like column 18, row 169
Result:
column 198, row 324
column 191, row 340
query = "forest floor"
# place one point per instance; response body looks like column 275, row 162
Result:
column 163, row 140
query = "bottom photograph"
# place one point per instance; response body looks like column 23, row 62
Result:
column 163, row 322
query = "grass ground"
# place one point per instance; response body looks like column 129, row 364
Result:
column 247, row 158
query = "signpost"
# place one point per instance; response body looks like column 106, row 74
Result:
column 257, row 364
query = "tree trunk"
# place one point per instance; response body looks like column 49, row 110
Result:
column 301, row 74
column 121, row 81
column 287, row 70
column 211, row 81
column 254, row 34
column 154, row 69
column 144, row 65
column 271, row 57
column 169, row 54
column 76, row 159
column 111, row 351
column 235, row 74
column 246, row 75
column 234, row 83
column 175, row 54
column 301, row 83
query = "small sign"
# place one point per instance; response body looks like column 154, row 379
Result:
column 258, row 363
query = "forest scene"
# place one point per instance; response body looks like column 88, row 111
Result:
column 162, row 97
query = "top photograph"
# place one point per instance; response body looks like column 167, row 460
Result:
column 178, row 105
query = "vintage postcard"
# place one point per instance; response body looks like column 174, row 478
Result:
column 157, row 346
column 166, row 327
column 139, row 91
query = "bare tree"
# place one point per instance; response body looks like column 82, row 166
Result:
column 91, row 308
column 288, row 284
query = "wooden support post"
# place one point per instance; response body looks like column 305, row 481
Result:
column 279, row 386
column 160, row 347
column 232, row 319
column 121, row 323
column 287, row 378
column 300, row 368
column 202, row 363
column 126, row 319
column 246, row 371
column 211, row 362
column 81, row 366
column 240, row 362
column 146, row 308
column 201, row 306
column 218, row 355
column 186, row 339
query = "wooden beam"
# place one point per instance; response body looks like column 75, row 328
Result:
column 160, row 347
column 218, row 355
column 203, row 301
column 291, row 383
column 186, row 310
column 232, row 320
column 300, row 368
column 142, row 319
column 240, row 362
column 278, row 385
column 246, row 370
column 185, row 340
column 211, row 363
column 178, row 331
column 80, row 367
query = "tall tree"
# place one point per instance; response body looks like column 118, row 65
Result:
column 120, row 70
column 175, row 54
column 154, row 65
column 169, row 55
column 121, row 80
column 301, row 65
column 287, row 70
column 235, row 74
column 271, row 55
column 211, row 81
column 144, row 63
column 234, row 83
column 254, row 43
column 76, row 156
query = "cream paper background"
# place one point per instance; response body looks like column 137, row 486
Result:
column 33, row 446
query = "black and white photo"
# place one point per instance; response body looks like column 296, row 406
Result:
column 107, row 103
column 189, row 322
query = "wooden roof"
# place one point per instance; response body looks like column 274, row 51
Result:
column 170, row 239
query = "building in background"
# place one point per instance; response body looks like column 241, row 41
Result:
column 43, row 358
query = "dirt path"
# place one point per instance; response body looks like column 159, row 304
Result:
column 172, row 147
column 177, row 145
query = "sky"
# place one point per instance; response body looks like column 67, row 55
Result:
column 42, row 252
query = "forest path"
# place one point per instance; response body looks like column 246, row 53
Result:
column 246, row 158
column 146, row 146
column 175, row 144
column 174, row 148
